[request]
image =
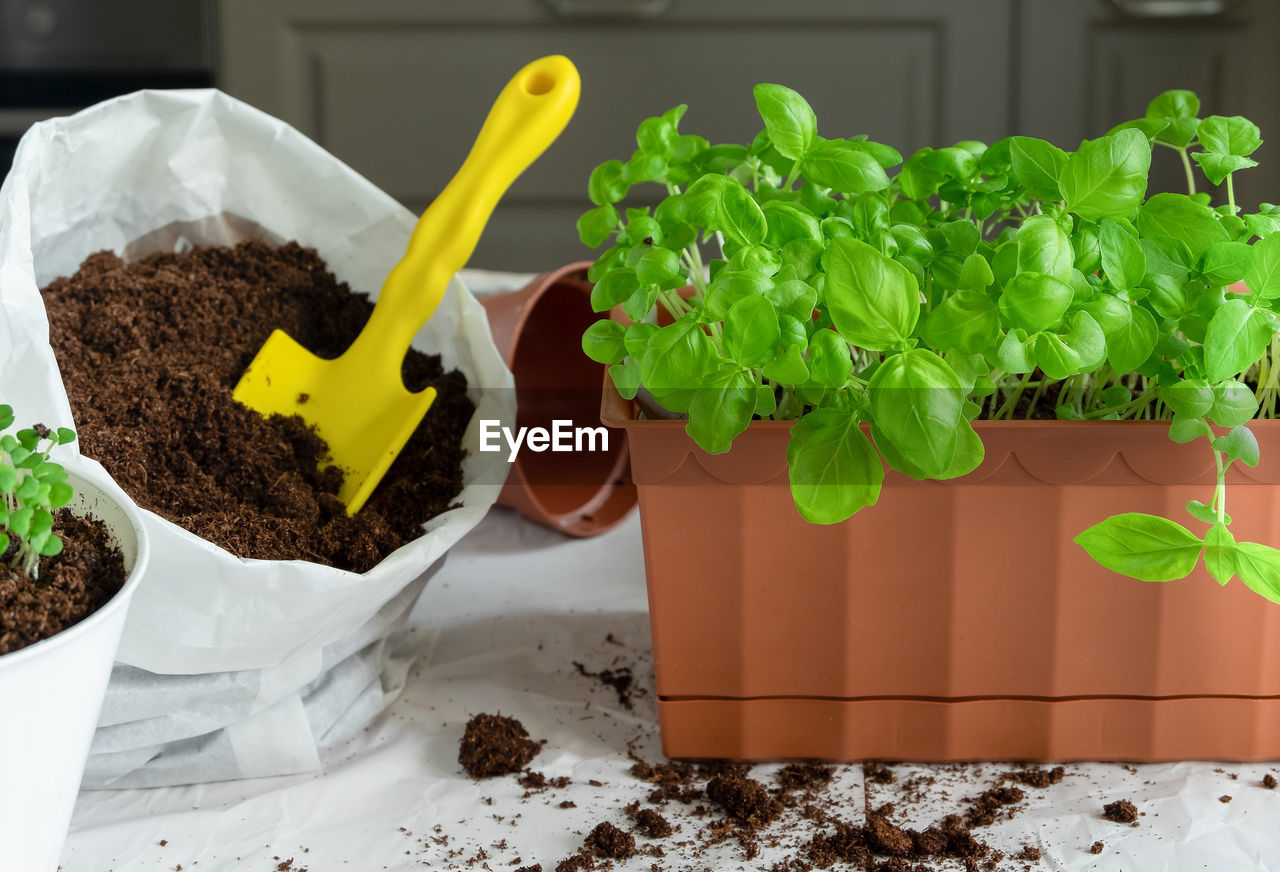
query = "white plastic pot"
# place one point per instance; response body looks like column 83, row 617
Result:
column 51, row 692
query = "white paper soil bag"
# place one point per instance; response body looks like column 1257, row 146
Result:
column 169, row 169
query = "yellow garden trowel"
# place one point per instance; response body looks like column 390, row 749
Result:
column 358, row 402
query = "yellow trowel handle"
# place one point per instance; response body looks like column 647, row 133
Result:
column 526, row 118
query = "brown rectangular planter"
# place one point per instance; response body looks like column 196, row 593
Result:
column 954, row 620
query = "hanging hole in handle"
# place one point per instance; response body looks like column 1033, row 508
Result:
column 539, row 82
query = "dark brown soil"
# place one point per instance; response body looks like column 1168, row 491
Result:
column 619, row 680
column 1269, row 781
column 1037, row 777
column 71, row 586
column 150, row 353
column 1122, row 811
column 609, row 842
column 1096, row 848
column 803, row 776
column 495, row 745
column 652, row 824
column 745, row 799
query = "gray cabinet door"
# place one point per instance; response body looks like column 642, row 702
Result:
column 1087, row 65
column 398, row 88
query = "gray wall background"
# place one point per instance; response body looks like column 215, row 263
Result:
column 398, row 88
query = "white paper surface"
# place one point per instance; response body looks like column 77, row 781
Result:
column 510, row 612
column 128, row 167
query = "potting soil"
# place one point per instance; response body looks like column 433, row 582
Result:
column 71, row 585
column 150, row 353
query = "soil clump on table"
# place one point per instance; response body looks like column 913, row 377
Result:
column 495, row 745
column 71, row 585
column 149, row 354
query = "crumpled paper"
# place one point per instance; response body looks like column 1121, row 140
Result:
column 161, row 169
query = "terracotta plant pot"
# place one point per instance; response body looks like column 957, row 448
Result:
column 537, row 330
column 954, row 620
column 52, row 692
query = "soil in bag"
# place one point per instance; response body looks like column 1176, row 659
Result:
column 150, row 353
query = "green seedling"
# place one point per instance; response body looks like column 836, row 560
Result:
column 883, row 304
column 32, row 488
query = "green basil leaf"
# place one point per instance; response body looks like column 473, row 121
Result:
column 829, row 360
column 1262, row 274
column 916, row 401
column 604, row 342
column 1190, row 398
column 1226, row 262
column 1038, row 165
column 1122, row 257
column 841, row 166
column 1237, row 336
column 595, row 225
column 1259, row 568
column 1056, row 357
column 1201, row 512
column 794, row 297
column 788, row 118
column 637, row 338
column 833, row 468
column 1086, row 339
column 1235, row 135
column 873, row 300
column 976, row 273
column 716, row 202
column 1240, row 444
column 721, row 409
column 1145, row 547
column 1217, row 167
column 788, row 222
column 731, row 286
column 1107, row 177
column 1035, row 301
column 1233, row 404
column 678, row 356
column 1044, row 248
column 751, row 335
column 1016, row 352
column 657, row 266
column 613, row 288
column 1184, row 430
column 965, row 321
column 1178, row 217
column 606, row 185
column 788, row 368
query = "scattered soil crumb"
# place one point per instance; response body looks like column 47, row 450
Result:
column 652, row 824
column 1096, row 848
column 988, row 805
column 745, row 799
column 609, row 842
column 620, row 680
column 1269, row 781
column 1225, row 798
column 877, row 773
column 536, row 867
column 568, row 803
column 495, row 745
column 1028, row 852
column 1122, row 811
column 1037, row 777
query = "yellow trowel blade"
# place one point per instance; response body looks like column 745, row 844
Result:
column 366, row 421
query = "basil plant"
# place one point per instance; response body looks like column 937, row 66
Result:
column 884, row 304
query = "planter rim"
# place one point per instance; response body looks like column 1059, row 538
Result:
column 620, row 413
column 87, row 480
